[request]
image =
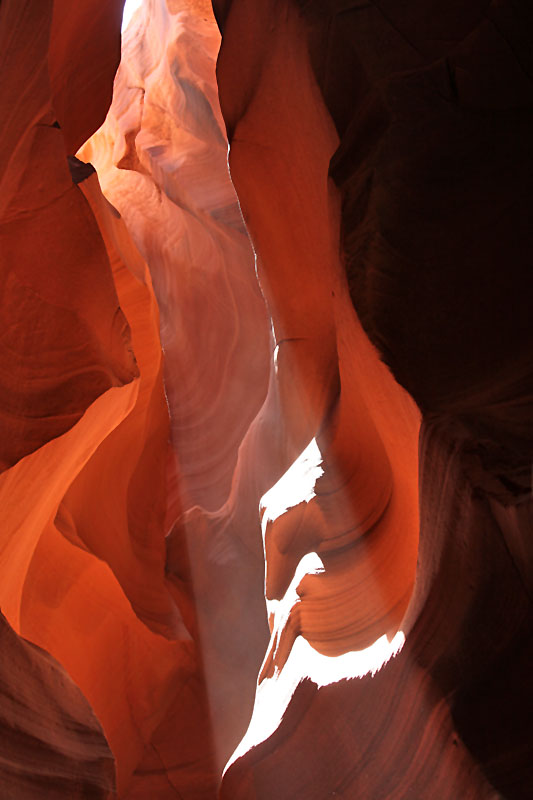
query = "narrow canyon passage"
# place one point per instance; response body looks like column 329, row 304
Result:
column 266, row 400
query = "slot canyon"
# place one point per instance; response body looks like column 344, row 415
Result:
column 266, row 400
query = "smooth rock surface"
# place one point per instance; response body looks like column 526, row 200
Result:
column 51, row 744
column 422, row 181
column 265, row 480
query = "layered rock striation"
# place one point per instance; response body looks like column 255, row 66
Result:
column 266, row 439
column 415, row 124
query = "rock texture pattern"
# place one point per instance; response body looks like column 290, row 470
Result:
column 85, row 447
column 405, row 129
column 161, row 158
column 162, row 162
column 51, row 744
column 266, row 440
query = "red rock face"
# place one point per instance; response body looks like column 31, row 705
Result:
column 162, row 161
column 405, row 113
column 52, row 744
column 84, row 450
column 265, row 512
column 77, row 346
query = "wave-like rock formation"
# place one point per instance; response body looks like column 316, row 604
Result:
column 161, row 158
column 85, row 447
column 162, row 161
column 266, row 440
column 401, row 136
column 51, row 744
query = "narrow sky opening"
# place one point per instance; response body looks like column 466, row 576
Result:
column 130, row 7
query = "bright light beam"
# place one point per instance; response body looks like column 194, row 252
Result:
column 130, row 8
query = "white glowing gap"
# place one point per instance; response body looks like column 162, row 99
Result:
column 130, row 8
column 297, row 485
column 273, row 695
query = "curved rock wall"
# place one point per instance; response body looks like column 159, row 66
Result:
column 162, row 160
column 85, row 447
column 416, row 118
column 266, row 512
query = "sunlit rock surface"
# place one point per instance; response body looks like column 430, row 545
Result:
column 422, row 113
column 162, row 161
column 266, row 516
column 85, row 447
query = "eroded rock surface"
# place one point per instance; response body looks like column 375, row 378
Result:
column 83, row 491
column 51, row 743
column 162, row 161
column 422, row 113
column 266, row 513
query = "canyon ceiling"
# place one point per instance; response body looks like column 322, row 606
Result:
column 266, row 400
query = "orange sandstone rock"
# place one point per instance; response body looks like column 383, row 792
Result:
column 351, row 95
column 85, row 447
column 200, row 442
column 51, row 743
column 162, row 161
column 66, row 340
